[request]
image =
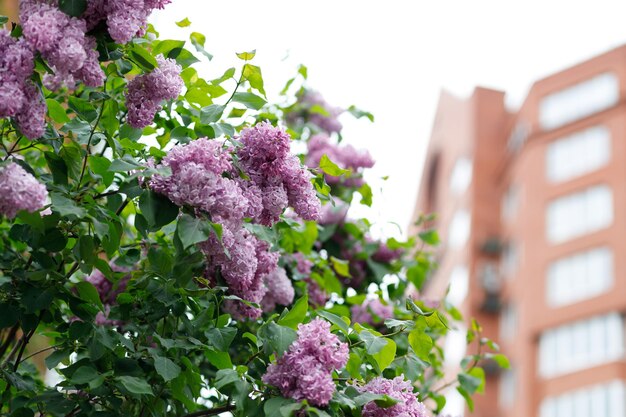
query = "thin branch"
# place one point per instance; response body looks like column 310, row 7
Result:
column 26, row 339
column 212, row 411
column 93, row 129
column 121, row 207
column 9, row 339
column 40, row 351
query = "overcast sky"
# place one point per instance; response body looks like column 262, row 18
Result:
column 393, row 58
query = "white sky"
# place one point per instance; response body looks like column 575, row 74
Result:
column 393, row 57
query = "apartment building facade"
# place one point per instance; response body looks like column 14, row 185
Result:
column 531, row 206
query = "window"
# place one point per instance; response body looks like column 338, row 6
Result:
column 580, row 213
column 459, row 285
column 461, row 175
column 578, row 277
column 578, row 101
column 518, row 136
column 510, row 202
column 603, row 400
column 582, row 344
column 508, row 323
column 578, row 154
column 509, row 259
column 459, row 231
column 508, row 387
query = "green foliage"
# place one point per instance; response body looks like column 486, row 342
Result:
column 164, row 344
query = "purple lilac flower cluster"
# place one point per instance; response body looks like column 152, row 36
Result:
column 312, row 107
column 205, row 178
column 334, row 214
column 346, row 157
column 19, row 97
column 278, row 175
column 279, row 290
column 317, row 296
column 147, row 92
column 385, row 254
column 125, row 19
column 372, row 312
column 19, row 190
column 305, row 371
column 108, row 292
column 62, row 41
column 397, row 388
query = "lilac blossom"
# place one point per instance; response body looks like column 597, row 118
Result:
column 147, row 92
column 317, row 296
column 282, row 180
column 305, row 370
column 62, row 41
column 372, row 312
column 19, row 97
column 334, row 214
column 346, row 157
column 398, row 389
column 19, row 190
column 279, row 290
column 313, row 108
column 125, row 19
column 197, row 180
column 108, row 292
column 385, row 254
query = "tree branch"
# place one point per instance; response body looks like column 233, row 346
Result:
column 212, row 411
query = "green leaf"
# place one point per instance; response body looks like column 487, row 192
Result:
column 297, row 313
column 157, row 209
column 88, row 292
column 143, row 58
column 336, row 320
column 57, row 357
column 276, row 338
column 342, row 267
column 430, row 237
column 166, row 368
column 83, row 108
column 421, row 343
column 247, row 56
column 273, row 407
column 373, row 344
column 225, row 377
column 74, row 8
column 250, row 100
column 360, row 113
column 135, row 385
column 66, row 207
column 330, row 168
column 83, row 375
column 191, row 230
column 386, row 355
column 198, row 40
column 123, row 165
column 304, row 71
column 472, row 381
column 467, row 396
column 212, row 113
column 366, row 195
column 56, row 111
column 183, row 23
column 3, row 20
column 252, row 73
column 501, row 360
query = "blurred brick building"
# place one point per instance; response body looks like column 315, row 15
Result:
column 9, row 8
column 531, row 208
